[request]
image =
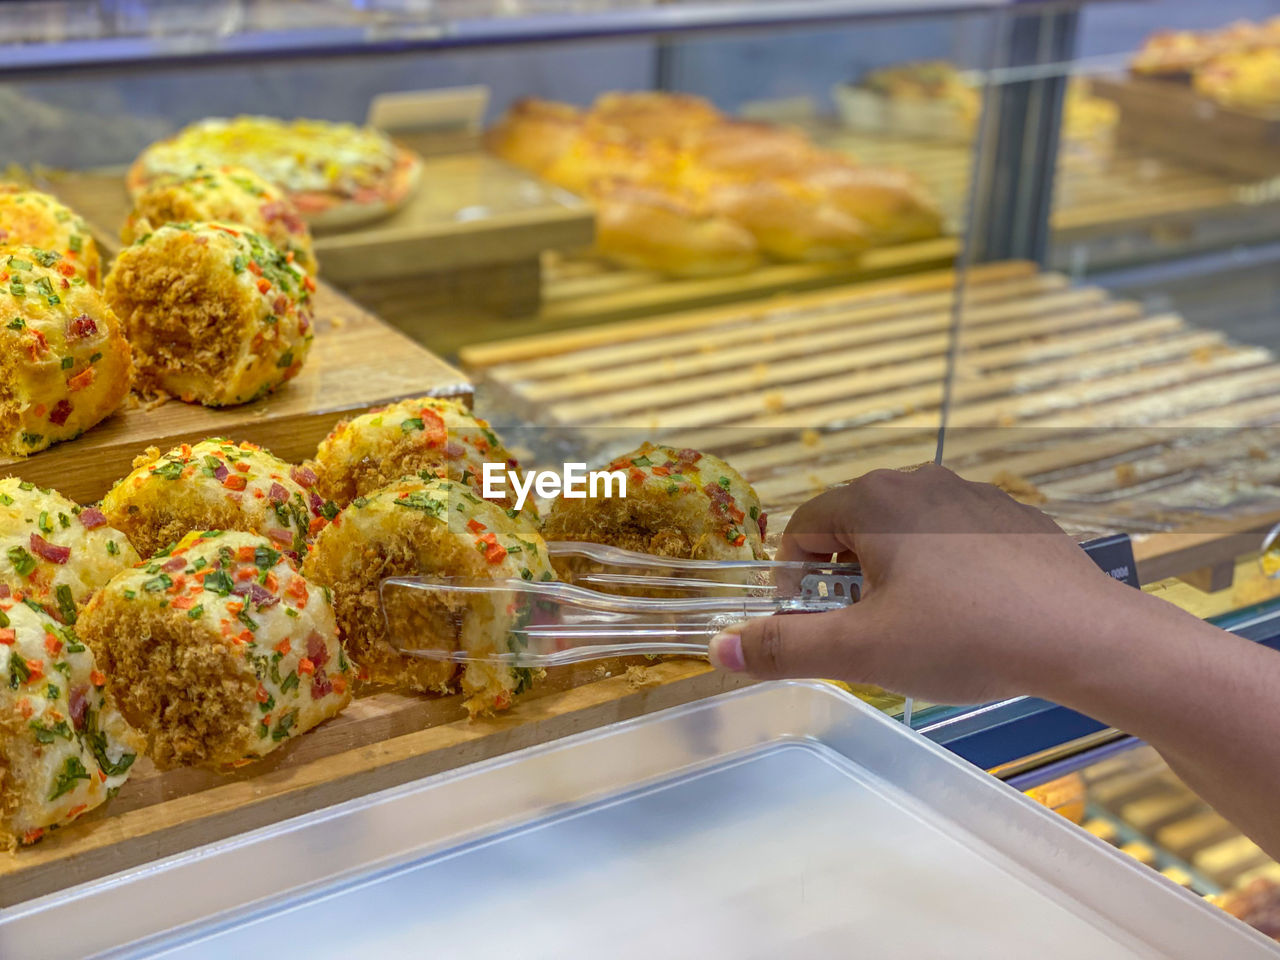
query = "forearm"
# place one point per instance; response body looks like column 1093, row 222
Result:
column 1205, row 699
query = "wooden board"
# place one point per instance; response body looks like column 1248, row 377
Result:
column 1121, row 420
column 356, row 362
column 378, row 742
column 1171, row 117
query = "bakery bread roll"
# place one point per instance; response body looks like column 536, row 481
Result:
column 215, row 485
column 416, row 527
column 219, row 650
column 658, row 230
column 215, row 313
column 533, row 133
column 891, row 204
column 29, row 218
column 429, row 437
column 589, row 165
column 790, row 222
column 64, row 361
column 679, row 503
column 64, row 748
column 650, row 115
column 226, row 194
column 738, row 151
column 53, row 551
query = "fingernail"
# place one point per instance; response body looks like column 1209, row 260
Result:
column 726, row 652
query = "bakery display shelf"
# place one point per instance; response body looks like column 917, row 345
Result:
column 1110, row 417
column 1121, row 205
column 472, row 235
column 356, row 362
column 1137, row 803
column 1169, row 116
column 379, row 741
column 579, row 290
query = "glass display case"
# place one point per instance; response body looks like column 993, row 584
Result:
column 813, row 238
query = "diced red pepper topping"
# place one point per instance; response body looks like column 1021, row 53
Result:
column 495, row 553
column 97, row 677
column 60, row 412
column 283, row 647
column 264, row 285
column 8, row 636
column 52, row 644
column 49, row 551
column 81, row 379
column 306, row 666
column 235, row 482
column 475, row 526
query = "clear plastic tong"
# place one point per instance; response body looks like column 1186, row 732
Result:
column 608, row 603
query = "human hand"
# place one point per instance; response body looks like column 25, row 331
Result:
column 968, row 595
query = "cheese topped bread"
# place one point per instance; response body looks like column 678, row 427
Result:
column 337, row 174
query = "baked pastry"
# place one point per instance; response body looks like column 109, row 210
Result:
column 587, row 164
column 789, row 221
column 891, row 204
column 739, row 151
column 215, row 313
column 1247, row 80
column 679, row 503
column 64, row 362
column 428, row 436
column 55, row 552
column 533, row 133
column 218, row 651
column 215, row 485
column 650, row 115
column 225, row 194
column 64, row 748
column 29, row 218
column 416, row 527
column 652, row 229
column 337, row 174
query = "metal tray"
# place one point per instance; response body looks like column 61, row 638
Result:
column 786, row 819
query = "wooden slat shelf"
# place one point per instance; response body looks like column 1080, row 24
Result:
column 1121, row 419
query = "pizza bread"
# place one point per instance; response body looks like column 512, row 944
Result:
column 55, row 552
column 416, row 527
column 219, row 650
column 215, row 313
column 428, row 436
column 215, row 484
column 29, row 218
column 64, row 362
column 679, row 503
column 226, row 194
column 337, row 174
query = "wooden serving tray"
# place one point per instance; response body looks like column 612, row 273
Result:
column 1171, row 117
column 378, row 742
column 1116, row 417
column 356, row 362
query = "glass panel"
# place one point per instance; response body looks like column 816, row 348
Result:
column 1135, row 802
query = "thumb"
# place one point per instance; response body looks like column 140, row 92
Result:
column 790, row 645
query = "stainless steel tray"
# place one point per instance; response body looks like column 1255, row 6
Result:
column 783, row 820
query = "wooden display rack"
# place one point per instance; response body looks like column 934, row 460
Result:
column 1116, row 418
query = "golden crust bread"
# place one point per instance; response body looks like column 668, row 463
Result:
column 54, row 552
column 428, row 437
column 679, row 503
column 891, row 204
column 226, row 194
column 533, row 133
column 215, row 313
column 790, row 222
column 215, row 485
column 29, row 218
column 653, row 229
column 64, row 747
column 416, row 527
column 64, row 362
column 219, row 651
